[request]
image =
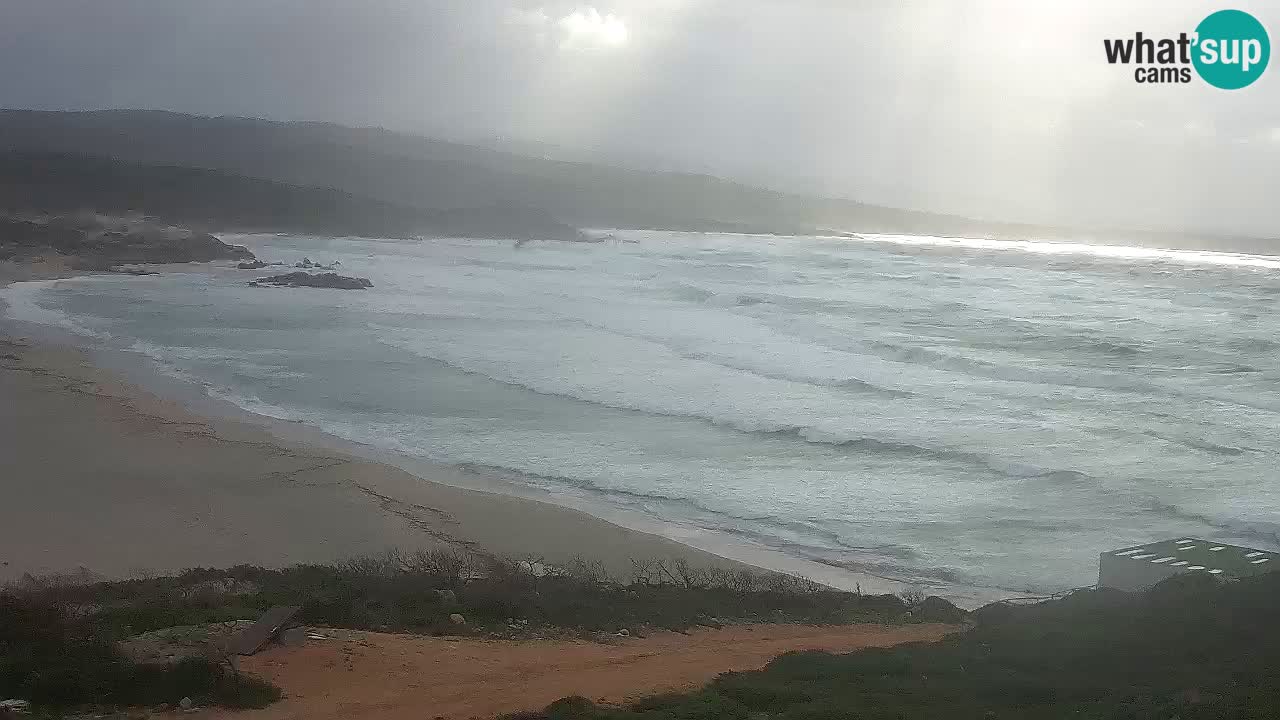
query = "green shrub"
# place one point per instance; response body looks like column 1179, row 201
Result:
column 55, row 655
column 1187, row 649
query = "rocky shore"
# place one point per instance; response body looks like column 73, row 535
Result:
column 98, row 242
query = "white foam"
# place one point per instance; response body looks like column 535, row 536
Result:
column 985, row 366
column 22, row 299
column 1113, row 252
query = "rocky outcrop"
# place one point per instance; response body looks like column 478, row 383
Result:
column 255, row 265
column 321, row 280
column 93, row 241
column 309, row 264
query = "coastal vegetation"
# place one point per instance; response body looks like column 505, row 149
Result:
column 1189, row 648
column 61, row 639
column 55, row 653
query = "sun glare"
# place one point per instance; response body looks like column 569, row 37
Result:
column 588, row 28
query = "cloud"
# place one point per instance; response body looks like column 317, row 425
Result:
column 958, row 107
column 586, row 29
column 582, row 29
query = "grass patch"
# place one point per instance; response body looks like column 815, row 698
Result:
column 1190, row 648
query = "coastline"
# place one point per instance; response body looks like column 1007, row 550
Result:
column 110, row 477
column 273, row 492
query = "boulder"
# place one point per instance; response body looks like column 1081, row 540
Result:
column 255, row 265
column 457, row 619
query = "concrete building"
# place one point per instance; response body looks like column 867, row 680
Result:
column 1141, row 566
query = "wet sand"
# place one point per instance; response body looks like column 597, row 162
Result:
column 100, row 474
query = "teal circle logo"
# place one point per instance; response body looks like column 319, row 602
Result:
column 1232, row 49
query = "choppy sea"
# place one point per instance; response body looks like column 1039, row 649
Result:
column 940, row 411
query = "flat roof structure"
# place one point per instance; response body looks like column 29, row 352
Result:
column 1139, row 567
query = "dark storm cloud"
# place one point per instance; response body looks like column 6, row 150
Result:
column 991, row 108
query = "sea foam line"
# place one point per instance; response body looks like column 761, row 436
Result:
column 1111, row 252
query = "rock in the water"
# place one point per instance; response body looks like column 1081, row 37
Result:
column 321, row 280
column 457, row 619
column 309, row 264
column 255, row 265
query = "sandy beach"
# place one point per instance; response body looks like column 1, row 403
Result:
column 102, row 475
column 375, row 676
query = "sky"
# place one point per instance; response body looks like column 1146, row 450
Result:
column 988, row 108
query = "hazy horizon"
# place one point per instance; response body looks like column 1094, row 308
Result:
column 988, row 110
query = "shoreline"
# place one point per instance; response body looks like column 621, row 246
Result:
column 398, row 500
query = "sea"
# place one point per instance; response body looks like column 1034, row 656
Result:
column 944, row 412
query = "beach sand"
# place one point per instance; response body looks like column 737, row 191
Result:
column 353, row 675
column 100, row 474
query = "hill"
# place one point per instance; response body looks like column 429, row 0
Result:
column 424, row 174
column 62, row 182
column 429, row 174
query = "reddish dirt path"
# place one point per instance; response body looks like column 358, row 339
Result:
column 371, row 676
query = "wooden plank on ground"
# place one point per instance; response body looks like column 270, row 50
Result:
column 253, row 638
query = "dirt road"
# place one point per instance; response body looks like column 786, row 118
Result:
column 371, row 676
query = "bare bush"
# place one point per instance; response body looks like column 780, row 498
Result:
column 912, row 597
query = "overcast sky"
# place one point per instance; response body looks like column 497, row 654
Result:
column 993, row 109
